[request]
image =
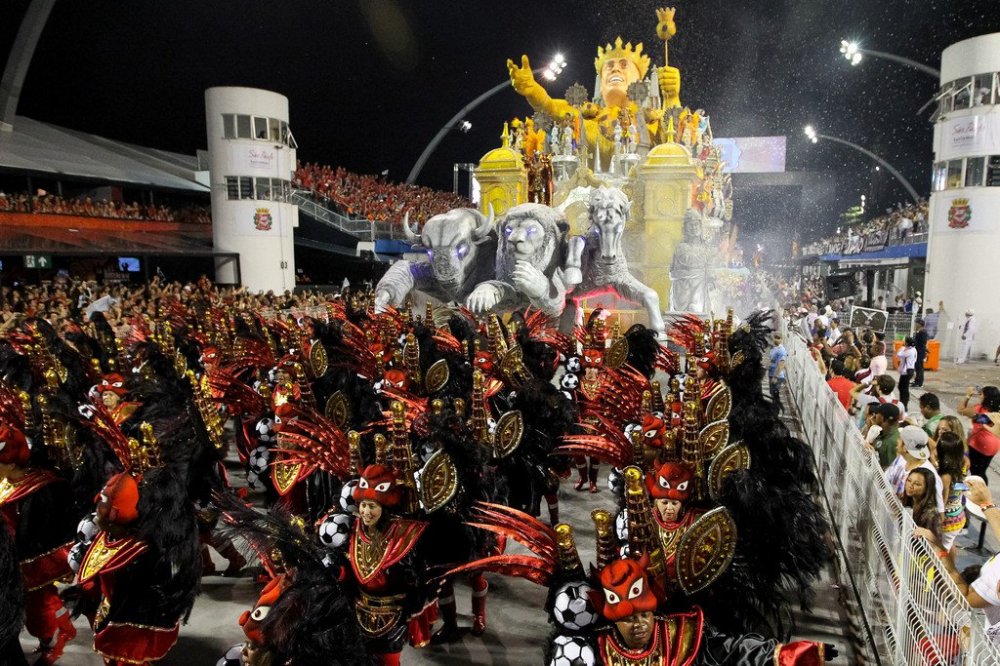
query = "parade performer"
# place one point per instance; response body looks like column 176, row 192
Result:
column 33, row 504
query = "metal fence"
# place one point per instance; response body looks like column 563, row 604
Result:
column 913, row 612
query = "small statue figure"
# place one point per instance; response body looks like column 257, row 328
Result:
column 633, row 139
column 618, row 137
column 596, row 262
column 555, row 147
column 689, row 270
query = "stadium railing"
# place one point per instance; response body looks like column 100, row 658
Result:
column 911, row 609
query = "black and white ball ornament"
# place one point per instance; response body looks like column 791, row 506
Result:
column 259, row 459
column 346, row 501
column 574, row 607
column 233, row 657
column 569, row 382
column 265, row 429
column 573, row 364
column 255, row 482
column 616, row 481
column 76, row 554
column 572, row 651
column 335, row 529
column 87, row 528
column 621, row 524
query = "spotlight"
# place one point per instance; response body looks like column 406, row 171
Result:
column 810, row 133
column 464, row 126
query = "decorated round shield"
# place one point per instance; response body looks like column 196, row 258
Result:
column 706, row 550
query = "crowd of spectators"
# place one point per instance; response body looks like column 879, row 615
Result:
column 372, row 197
column 894, row 226
column 51, row 204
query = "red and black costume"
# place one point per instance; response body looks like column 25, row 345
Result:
column 33, row 506
column 675, row 482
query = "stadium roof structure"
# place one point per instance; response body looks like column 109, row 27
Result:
column 34, row 146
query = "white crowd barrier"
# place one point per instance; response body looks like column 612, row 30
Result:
column 912, row 611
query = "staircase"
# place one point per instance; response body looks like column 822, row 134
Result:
column 364, row 230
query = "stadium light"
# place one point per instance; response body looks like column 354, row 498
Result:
column 464, row 126
column 811, row 133
column 550, row 72
column 854, row 54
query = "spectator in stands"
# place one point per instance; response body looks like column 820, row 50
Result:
column 930, row 409
column 951, row 468
column 913, row 452
column 833, row 333
column 882, row 432
column 776, row 370
column 877, row 366
column 983, row 442
column 922, row 495
column 953, row 425
column 906, row 363
column 882, row 390
column 984, row 592
column 840, row 383
column 920, row 345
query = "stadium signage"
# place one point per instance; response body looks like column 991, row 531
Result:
column 39, row 261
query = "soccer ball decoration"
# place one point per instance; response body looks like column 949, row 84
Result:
column 76, row 555
column 233, row 657
column 259, row 459
column 334, row 530
column 87, row 529
column 573, row 607
column 347, row 503
column 621, row 524
column 572, row 651
column 573, row 364
column 569, row 382
column 253, row 481
column 616, row 481
column 265, row 429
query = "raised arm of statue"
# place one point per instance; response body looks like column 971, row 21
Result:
column 401, row 278
column 523, row 80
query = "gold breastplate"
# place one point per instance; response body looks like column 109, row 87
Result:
column 619, row 655
column 670, row 539
column 368, row 553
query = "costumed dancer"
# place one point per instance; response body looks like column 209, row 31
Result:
column 11, row 602
column 36, row 507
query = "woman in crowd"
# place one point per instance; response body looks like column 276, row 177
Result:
column 920, row 496
column 951, row 469
column 950, row 424
column 983, row 442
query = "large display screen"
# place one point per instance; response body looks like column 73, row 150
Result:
column 753, row 154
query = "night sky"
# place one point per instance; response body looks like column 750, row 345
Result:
column 371, row 81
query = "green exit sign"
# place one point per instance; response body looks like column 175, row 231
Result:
column 39, row 261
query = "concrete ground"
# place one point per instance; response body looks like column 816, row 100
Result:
column 517, row 624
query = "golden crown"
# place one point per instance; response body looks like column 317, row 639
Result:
column 608, row 51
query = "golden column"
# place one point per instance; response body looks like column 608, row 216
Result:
column 503, row 180
column 665, row 180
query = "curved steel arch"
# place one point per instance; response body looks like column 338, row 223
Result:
column 20, row 57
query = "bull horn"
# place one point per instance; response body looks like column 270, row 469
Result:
column 410, row 235
column 483, row 230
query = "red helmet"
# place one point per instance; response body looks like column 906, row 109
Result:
column 653, row 428
column 592, row 357
column 13, row 446
column 251, row 620
column 626, row 588
column 378, row 484
column 671, row 481
column 396, row 379
column 118, row 501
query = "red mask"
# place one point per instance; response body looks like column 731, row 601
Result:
column 671, row 481
column 396, row 379
column 653, row 428
column 251, row 620
column 592, row 357
column 378, row 484
column 210, row 355
column 114, row 383
column 13, row 446
column 626, row 589
column 483, row 360
column 119, row 500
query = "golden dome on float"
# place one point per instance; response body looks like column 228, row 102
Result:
column 503, row 157
column 669, row 154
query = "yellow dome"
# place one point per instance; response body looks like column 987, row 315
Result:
column 501, row 158
column 668, row 153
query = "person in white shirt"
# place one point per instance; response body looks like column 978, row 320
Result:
column 967, row 330
column 877, row 366
column 833, row 333
column 906, row 363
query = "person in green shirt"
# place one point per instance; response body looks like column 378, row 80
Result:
column 882, row 431
column 930, row 409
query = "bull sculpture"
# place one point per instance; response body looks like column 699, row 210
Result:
column 460, row 247
column 596, row 262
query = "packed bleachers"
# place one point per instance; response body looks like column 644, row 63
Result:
column 890, row 229
column 372, row 197
column 51, row 204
